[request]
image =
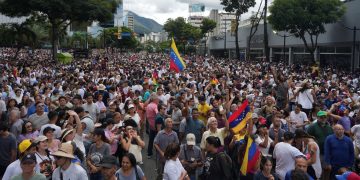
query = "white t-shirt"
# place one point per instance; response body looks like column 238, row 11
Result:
column 305, row 98
column 164, row 98
column 79, row 141
column 14, row 169
column 264, row 151
column 297, row 119
column 73, row 172
column 285, row 155
column 173, row 169
column 356, row 131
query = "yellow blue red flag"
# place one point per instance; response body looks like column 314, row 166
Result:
column 238, row 120
column 252, row 155
column 176, row 63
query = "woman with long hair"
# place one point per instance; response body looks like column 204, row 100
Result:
column 53, row 144
column 11, row 105
column 173, row 168
column 130, row 141
column 28, row 132
column 97, row 150
column 218, row 165
column 265, row 172
column 129, row 170
column 25, row 104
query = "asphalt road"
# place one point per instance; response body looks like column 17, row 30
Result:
column 149, row 166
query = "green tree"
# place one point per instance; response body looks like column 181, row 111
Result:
column 238, row 7
column 17, row 35
column 182, row 32
column 207, row 25
column 305, row 19
column 61, row 13
column 112, row 40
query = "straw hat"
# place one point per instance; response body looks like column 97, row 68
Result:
column 66, row 150
column 65, row 132
column 101, row 87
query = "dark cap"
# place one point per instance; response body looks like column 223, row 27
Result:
column 299, row 133
column 47, row 129
column 130, row 122
column 288, row 136
column 31, row 158
column 109, row 162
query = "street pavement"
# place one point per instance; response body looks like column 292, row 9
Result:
column 149, row 166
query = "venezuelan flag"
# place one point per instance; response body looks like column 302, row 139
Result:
column 176, row 63
column 155, row 76
column 251, row 156
column 238, row 120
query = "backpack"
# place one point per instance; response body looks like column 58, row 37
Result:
column 234, row 175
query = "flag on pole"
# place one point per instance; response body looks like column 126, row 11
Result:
column 251, row 156
column 239, row 119
column 176, row 63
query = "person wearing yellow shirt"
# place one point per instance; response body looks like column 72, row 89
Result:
column 204, row 109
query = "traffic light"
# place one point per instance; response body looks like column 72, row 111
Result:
column 118, row 34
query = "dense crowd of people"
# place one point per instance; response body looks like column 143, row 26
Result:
column 89, row 119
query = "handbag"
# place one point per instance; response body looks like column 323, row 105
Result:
column 136, row 151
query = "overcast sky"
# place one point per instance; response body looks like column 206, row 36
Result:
column 161, row 10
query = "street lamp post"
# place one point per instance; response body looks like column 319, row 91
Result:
column 284, row 45
column 354, row 29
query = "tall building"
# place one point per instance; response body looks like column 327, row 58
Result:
column 223, row 20
column 129, row 20
column 118, row 16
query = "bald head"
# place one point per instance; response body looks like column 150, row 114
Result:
column 301, row 164
column 338, row 130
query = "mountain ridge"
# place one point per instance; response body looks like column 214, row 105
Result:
column 143, row 25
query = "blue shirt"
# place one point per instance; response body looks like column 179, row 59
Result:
column 339, row 152
column 32, row 109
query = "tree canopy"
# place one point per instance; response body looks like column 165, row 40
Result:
column 181, row 31
column 305, row 19
column 60, row 13
column 239, row 8
column 207, row 25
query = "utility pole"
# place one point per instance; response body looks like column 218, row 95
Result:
column 225, row 37
column 266, row 40
column 353, row 49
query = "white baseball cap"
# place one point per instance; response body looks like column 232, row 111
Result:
column 190, row 139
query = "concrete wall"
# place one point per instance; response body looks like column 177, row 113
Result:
column 336, row 34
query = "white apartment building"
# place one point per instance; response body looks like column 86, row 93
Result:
column 195, row 20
